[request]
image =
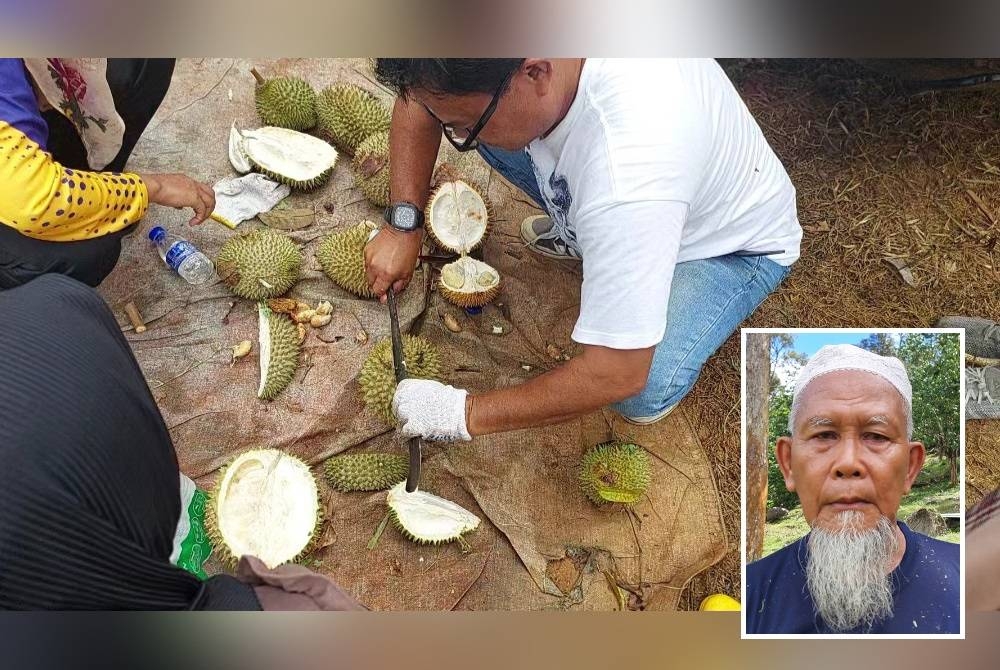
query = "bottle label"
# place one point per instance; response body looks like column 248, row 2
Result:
column 178, row 253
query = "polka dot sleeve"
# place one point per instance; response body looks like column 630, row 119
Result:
column 42, row 199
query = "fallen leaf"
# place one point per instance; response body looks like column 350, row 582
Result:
column 904, row 270
column 288, row 219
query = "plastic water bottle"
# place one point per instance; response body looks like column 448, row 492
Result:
column 182, row 256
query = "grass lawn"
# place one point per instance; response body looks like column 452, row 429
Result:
column 931, row 490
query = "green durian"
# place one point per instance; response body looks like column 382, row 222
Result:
column 428, row 519
column 279, row 352
column 615, row 472
column 265, row 503
column 259, row 264
column 378, row 379
column 349, row 114
column 342, row 257
column 285, row 102
column 371, row 168
column 301, row 161
column 366, row 472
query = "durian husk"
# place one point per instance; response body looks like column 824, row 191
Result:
column 286, row 501
column 366, row 472
column 377, row 379
column 426, row 518
column 615, row 472
column 371, row 168
column 472, row 292
column 349, row 115
column 285, row 102
column 259, row 264
column 342, row 257
column 439, row 205
column 301, row 161
column 279, row 352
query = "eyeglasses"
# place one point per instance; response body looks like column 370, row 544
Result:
column 470, row 141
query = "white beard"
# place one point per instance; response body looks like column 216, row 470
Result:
column 847, row 573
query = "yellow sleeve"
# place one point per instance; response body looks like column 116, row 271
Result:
column 40, row 198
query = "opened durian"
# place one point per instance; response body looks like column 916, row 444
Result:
column 238, row 157
column 342, row 257
column 366, row 472
column 259, row 264
column 279, row 352
column 265, row 504
column 371, row 168
column 378, row 378
column 457, row 219
column 286, row 102
column 428, row 519
column 301, row 161
column 615, row 472
column 349, row 115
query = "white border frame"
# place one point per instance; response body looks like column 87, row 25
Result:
column 743, row 486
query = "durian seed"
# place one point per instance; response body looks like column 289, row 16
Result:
column 324, row 307
column 320, row 320
column 451, row 323
column 302, row 332
column 304, row 316
column 242, row 349
column 282, row 305
column 487, row 279
column 361, row 337
column 300, row 306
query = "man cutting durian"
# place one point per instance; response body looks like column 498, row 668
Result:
column 652, row 173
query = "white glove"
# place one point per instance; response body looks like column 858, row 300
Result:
column 240, row 198
column 431, row 410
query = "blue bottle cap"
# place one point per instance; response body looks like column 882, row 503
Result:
column 156, row 233
column 472, row 311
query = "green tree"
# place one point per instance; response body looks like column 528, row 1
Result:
column 880, row 343
column 779, row 407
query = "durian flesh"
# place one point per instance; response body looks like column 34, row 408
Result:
column 342, row 257
column 279, row 352
column 265, row 504
column 469, row 282
column 616, row 472
column 428, row 519
column 302, row 161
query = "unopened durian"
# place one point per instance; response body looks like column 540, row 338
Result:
column 279, row 352
column 259, row 264
column 457, row 219
column 349, row 115
column 428, row 519
column 378, row 378
column 371, row 168
column 366, row 472
column 301, row 161
column 342, row 257
column 285, row 102
column 265, row 503
column 616, row 472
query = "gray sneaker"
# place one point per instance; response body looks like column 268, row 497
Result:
column 982, row 336
column 541, row 237
column 982, row 393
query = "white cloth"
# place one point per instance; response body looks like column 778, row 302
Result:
column 430, row 409
column 240, row 198
column 657, row 162
column 836, row 357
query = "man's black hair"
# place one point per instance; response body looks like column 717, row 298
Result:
column 444, row 76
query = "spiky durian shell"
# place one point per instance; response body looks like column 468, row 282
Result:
column 465, row 299
column 371, row 168
column 342, row 257
column 438, row 510
column 219, row 546
column 378, row 379
column 283, row 351
column 304, row 185
column 366, row 472
column 616, row 472
column 286, row 102
column 440, row 187
column 248, row 261
column 349, row 115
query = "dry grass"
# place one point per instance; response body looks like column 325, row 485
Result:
column 882, row 174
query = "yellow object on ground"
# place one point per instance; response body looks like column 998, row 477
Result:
column 719, row 602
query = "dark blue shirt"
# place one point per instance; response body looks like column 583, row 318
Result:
column 926, row 591
column 18, row 105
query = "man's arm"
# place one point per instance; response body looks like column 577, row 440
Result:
column 596, row 378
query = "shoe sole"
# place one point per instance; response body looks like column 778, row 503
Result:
column 529, row 238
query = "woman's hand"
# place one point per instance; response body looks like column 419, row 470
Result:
column 178, row 191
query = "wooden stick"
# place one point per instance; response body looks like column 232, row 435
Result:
column 135, row 317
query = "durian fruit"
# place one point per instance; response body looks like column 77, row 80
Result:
column 366, row 472
column 428, row 519
column 285, row 102
column 615, row 472
column 349, row 114
column 302, row 161
column 371, row 168
column 279, row 352
column 378, row 378
column 342, row 257
column 457, row 219
column 265, row 503
column 259, row 264
column 237, row 156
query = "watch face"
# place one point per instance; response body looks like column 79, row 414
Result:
column 404, row 217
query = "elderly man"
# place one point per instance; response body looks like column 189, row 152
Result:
column 652, row 172
column 851, row 459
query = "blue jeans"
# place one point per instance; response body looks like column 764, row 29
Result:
column 709, row 299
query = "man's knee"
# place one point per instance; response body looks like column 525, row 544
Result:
column 655, row 401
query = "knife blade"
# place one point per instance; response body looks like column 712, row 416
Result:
column 399, row 367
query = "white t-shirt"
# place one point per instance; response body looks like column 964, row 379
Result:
column 658, row 161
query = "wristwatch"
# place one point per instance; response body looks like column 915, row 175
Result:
column 404, row 216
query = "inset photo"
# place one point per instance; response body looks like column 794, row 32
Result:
column 853, row 449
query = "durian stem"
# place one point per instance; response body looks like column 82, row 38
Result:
column 256, row 75
column 378, row 533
